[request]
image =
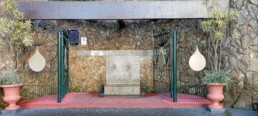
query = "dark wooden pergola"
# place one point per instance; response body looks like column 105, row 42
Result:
column 178, row 9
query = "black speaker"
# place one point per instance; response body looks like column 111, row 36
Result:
column 73, row 36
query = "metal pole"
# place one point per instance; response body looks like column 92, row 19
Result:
column 173, row 69
column 68, row 67
column 60, row 66
column 171, row 65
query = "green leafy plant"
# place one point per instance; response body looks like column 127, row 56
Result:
column 217, row 29
column 221, row 76
column 14, row 32
column 9, row 77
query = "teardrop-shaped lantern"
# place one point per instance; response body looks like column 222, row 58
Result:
column 37, row 62
column 197, row 61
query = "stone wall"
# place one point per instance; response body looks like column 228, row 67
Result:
column 88, row 72
column 109, row 35
column 242, row 55
column 106, row 35
column 88, row 69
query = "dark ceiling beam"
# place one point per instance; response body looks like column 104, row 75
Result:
column 115, row 10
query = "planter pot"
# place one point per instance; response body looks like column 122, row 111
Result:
column 215, row 94
column 11, row 95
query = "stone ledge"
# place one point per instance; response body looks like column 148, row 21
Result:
column 123, row 85
column 119, row 90
column 115, row 52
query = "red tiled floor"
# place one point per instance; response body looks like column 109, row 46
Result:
column 94, row 100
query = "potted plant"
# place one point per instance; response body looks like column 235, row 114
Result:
column 217, row 29
column 10, row 82
column 14, row 37
column 215, row 82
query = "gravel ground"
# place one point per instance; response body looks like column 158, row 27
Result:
column 168, row 111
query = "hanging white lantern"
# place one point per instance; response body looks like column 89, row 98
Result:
column 197, row 61
column 37, row 62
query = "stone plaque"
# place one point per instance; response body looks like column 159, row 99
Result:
column 122, row 75
column 123, row 70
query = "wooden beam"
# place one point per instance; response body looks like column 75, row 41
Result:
column 115, row 10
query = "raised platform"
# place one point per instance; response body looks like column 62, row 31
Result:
column 94, row 100
column 122, row 90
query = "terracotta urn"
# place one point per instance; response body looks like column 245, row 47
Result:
column 215, row 94
column 11, row 95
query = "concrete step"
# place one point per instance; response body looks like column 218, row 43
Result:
column 122, row 90
column 136, row 111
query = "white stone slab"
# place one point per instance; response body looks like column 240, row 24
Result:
column 115, row 52
column 122, row 90
column 123, row 70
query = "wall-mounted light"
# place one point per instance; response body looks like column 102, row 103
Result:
column 73, row 36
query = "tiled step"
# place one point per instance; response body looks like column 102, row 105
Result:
column 94, row 100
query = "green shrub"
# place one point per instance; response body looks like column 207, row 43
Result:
column 221, row 76
column 9, row 77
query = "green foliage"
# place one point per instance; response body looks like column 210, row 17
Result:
column 217, row 25
column 217, row 29
column 221, row 76
column 14, row 31
column 9, row 77
column 13, row 27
